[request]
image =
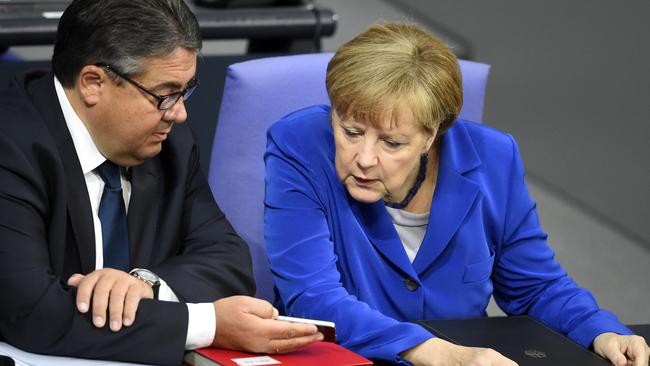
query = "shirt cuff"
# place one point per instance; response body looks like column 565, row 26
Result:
column 165, row 292
column 201, row 325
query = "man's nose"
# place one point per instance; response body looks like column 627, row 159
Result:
column 177, row 113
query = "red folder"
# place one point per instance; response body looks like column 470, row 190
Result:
column 317, row 353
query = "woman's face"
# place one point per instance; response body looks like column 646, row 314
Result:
column 380, row 160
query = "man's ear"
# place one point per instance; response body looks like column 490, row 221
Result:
column 91, row 83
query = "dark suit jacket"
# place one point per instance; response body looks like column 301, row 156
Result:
column 46, row 234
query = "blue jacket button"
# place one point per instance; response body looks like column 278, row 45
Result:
column 410, row 284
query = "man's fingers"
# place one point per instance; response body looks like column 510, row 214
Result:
column 85, row 290
column 116, row 305
column 246, row 324
column 258, row 307
column 285, row 330
column 292, row 344
column 132, row 300
column 75, row 279
column 100, row 300
column 110, row 293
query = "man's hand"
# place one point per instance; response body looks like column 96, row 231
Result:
column 111, row 289
column 435, row 352
column 622, row 350
column 247, row 324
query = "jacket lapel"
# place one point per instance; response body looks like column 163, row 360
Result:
column 143, row 211
column 454, row 195
column 79, row 210
column 379, row 229
column 45, row 99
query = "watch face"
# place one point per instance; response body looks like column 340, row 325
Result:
column 147, row 276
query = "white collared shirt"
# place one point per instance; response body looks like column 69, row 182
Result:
column 202, row 318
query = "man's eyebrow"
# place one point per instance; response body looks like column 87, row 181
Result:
column 172, row 85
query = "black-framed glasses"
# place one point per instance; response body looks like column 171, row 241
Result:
column 164, row 101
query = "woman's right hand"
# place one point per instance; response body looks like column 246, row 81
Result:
column 438, row 352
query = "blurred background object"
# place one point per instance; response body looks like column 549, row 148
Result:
column 275, row 26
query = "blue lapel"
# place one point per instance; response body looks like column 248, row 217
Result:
column 454, row 195
column 382, row 234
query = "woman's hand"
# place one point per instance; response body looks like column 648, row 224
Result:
column 435, row 352
column 622, row 350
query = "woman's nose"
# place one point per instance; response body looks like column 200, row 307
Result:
column 367, row 157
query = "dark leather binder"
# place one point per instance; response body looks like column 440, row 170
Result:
column 520, row 338
column 641, row 329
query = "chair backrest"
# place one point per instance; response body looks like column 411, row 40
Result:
column 256, row 94
column 8, row 56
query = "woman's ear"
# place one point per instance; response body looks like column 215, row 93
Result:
column 431, row 138
column 91, row 83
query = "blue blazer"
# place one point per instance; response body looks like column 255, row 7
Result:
column 340, row 260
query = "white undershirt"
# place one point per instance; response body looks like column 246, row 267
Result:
column 411, row 228
column 202, row 319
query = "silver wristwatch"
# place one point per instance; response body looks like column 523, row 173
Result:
column 148, row 277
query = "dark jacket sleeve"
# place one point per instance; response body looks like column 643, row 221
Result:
column 194, row 249
column 213, row 261
column 37, row 311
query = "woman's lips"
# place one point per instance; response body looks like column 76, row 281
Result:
column 363, row 181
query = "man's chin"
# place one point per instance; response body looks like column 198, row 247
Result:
column 141, row 157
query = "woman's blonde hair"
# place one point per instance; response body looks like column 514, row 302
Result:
column 391, row 64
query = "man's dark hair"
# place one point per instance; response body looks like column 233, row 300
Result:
column 121, row 33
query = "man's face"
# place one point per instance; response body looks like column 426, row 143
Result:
column 127, row 125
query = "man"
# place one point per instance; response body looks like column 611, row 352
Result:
column 104, row 212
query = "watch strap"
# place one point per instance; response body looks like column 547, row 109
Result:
column 143, row 274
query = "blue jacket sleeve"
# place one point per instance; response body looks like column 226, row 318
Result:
column 528, row 280
column 304, row 263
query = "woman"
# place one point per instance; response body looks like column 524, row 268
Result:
column 385, row 209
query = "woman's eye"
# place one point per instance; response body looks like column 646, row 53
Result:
column 393, row 144
column 351, row 133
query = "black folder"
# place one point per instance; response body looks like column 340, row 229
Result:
column 520, row 338
column 641, row 329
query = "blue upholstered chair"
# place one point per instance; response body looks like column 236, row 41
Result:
column 256, row 94
column 8, row 56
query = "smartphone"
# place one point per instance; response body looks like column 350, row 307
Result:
column 327, row 328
